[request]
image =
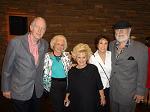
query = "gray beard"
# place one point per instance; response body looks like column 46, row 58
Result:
column 122, row 39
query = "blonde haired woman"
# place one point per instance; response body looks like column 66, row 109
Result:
column 84, row 83
column 56, row 66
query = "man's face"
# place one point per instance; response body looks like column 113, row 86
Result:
column 38, row 29
column 122, row 35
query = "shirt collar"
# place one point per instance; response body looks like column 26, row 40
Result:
column 127, row 43
column 31, row 42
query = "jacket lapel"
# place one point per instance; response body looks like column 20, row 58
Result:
column 125, row 52
column 40, row 50
column 26, row 47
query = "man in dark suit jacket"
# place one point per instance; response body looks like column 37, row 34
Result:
column 23, row 67
column 129, row 70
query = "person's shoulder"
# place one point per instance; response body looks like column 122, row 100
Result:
column 138, row 44
column 91, row 66
column 44, row 44
column 112, row 42
column 49, row 54
column 108, row 52
column 91, row 57
column 95, row 54
column 17, row 39
column 43, row 41
column 72, row 69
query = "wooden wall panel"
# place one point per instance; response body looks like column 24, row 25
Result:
column 78, row 20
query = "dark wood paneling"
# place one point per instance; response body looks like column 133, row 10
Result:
column 79, row 20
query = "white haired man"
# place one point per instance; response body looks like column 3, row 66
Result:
column 129, row 70
column 23, row 68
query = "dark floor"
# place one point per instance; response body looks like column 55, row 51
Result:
column 5, row 104
column 45, row 105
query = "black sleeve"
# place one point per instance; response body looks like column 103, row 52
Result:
column 98, row 78
column 69, row 80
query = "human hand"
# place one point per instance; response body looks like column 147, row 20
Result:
column 66, row 102
column 73, row 65
column 7, row 94
column 103, row 101
column 139, row 98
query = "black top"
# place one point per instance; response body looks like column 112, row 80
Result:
column 84, row 85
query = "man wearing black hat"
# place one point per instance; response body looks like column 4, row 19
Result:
column 129, row 70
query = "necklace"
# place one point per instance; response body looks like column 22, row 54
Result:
column 58, row 58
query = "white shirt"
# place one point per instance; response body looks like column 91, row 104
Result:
column 97, row 61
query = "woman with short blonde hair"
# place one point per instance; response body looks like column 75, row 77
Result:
column 81, row 47
column 84, row 83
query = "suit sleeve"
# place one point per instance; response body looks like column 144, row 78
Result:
column 110, row 46
column 8, row 66
column 142, row 70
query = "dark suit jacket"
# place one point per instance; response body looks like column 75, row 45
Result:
column 20, row 75
column 128, row 76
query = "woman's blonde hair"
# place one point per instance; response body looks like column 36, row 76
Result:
column 55, row 38
column 79, row 48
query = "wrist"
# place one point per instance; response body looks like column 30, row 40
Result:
column 103, row 96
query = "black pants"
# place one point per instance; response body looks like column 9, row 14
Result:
column 57, row 94
column 31, row 105
column 106, row 108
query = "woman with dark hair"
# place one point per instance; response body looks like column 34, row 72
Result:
column 102, row 59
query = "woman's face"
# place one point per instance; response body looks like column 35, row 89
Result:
column 59, row 45
column 81, row 59
column 102, row 45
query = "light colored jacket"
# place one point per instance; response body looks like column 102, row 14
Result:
column 47, row 68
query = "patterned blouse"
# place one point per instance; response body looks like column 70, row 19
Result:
column 47, row 68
